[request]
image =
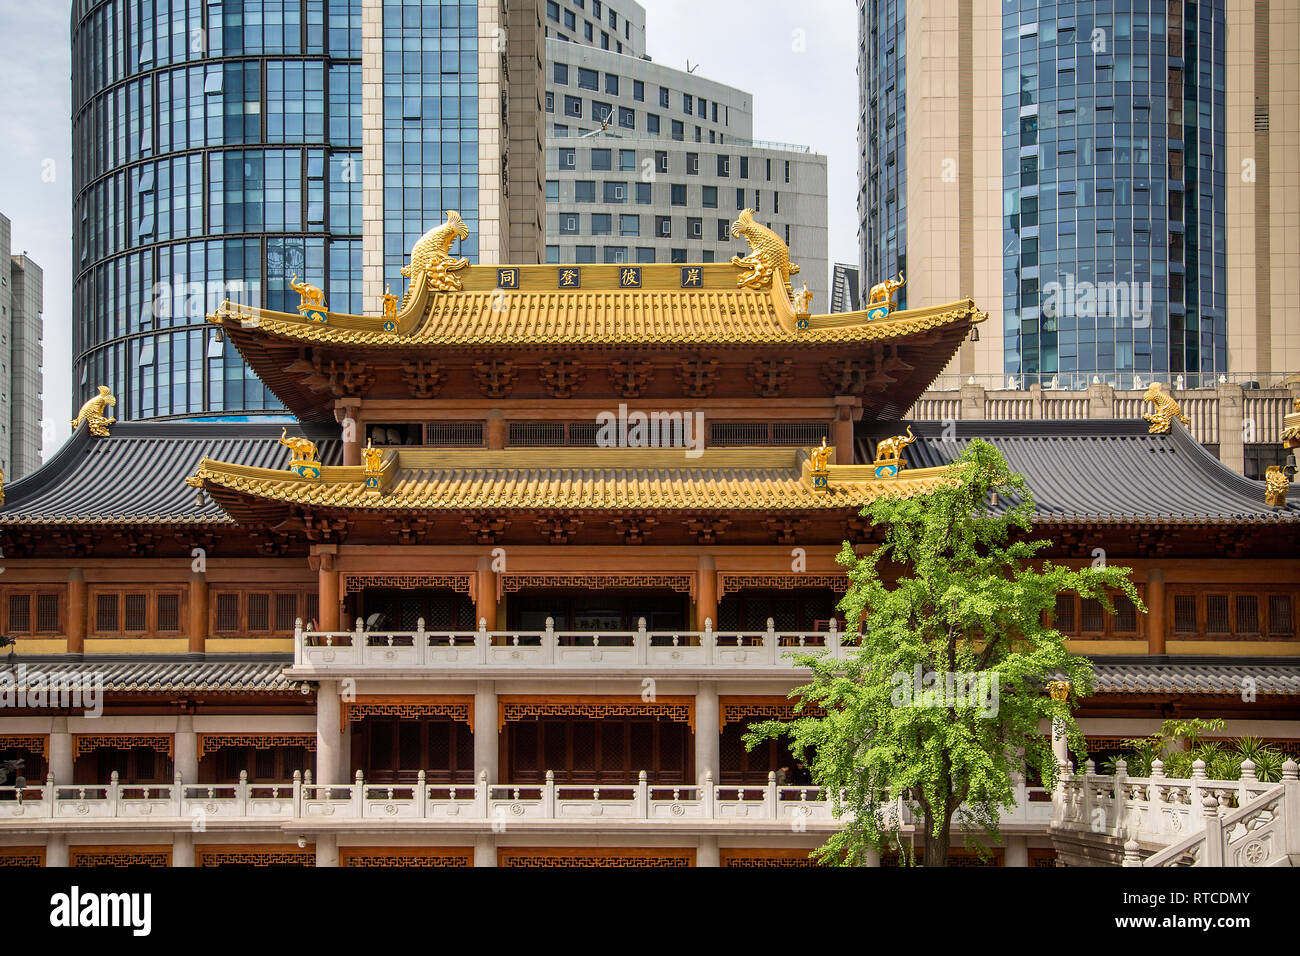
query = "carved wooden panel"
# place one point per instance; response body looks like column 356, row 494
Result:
column 706, row 529
column 684, row 583
column 85, row 743
column 215, row 855
column 633, row 530
column 776, row 856
column 342, row 379
column 558, row 529
column 530, row 707
column 119, row 855
column 211, row 742
column 354, row 581
column 484, row 528
column 36, row 743
column 653, row 857
column 22, row 856
column 406, row 856
column 732, row 709
column 785, row 530
column 454, row 707
column 735, row 580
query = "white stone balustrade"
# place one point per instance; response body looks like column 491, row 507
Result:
column 1197, row 821
column 530, row 650
column 473, row 805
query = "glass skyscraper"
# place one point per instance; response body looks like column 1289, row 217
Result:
column 1113, row 187
column 219, row 148
column 882, row 140
column 216, row 154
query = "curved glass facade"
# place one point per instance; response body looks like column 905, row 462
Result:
column 1113, row 191
column 216, row 153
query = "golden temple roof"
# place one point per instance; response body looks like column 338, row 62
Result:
column 538, row 313
column 768, row 479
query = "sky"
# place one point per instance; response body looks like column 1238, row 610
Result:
column 797, row 59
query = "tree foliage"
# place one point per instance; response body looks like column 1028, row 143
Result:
column 955, row 588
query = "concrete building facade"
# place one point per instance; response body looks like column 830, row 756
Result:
column 21, row 302
column 646, row 163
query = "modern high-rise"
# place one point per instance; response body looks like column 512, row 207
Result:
column 846, row 288
column 647, row 164
column 221, row 149
column 1110, row 178
column 21, row 301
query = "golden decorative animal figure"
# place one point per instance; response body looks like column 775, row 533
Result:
column 300, row 449
column 819, row 457
column 891, row 449
column 882, row 293
column 309, row 294
column 1276, row 485
column 374, row 458
column 802, row 300
column 431, row 258
column 92, row 413
column 390, row 304
column 1166, row 410
column 768, row 255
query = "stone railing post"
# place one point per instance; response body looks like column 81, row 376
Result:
column 482, row 640
column 1244, row 793
column 772, row 795
column 548, row 796
column 973, row 401
column 359, row 797
column 549, row 640
column 1101, row 401
column 114, row 792
column 51, row 794
column 481, row 795
column 178, row 796
column 1291, row 806
column 833, row 646
column 706, row 640
column 642, row 641
column 297, row 794
column 643, row 794
column 1198, row 774
column 1120, row 796
column 1156, row 797
column 1131, row 855
column 421, row 642
column 1213, row 855
column 769, row 639
column 708, row 795
column 297, row 642
column 421, row 795
column 241, row 794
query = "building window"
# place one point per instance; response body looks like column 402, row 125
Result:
column 692, row 164
column 724, row 164
column 677, row 255
column 629, row 224
column 740, row 198
column 688, row 103
column 787, row 170
column 626, row 117
column 552, row 11
column 588, row 79
column 569, row 223
column 584, row 191
column 724, row 230
column 552, row 190
column 661, row 161
column 638, row 91
column 552, row 254
column 744, row 167
column 710, row 197
column 616, row 192
column 602, row 159
column 663, row 227
column 601, row 224
column 568, row 158
column 663, row 97
column 679, row 194
column 611, row 84
column 652, row 123
column 645, row 255
column 1245, row 614
column 627, row 160
column 614, row 254
column 644, row 193
column 570, row 20
column 560, row 73
column 694, row 228
column 572, row 106
column 679, row 130
column 550, row 102
column 584, row 254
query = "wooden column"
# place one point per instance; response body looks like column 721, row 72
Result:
column 843, row 437
column 327, row 587
column 496, row 429
column 198, row 612
column 706, row 593
column 76, row 612
column 485, row 594
column 1155, row 611
column 345, row 413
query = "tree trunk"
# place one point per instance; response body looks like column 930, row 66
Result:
column 936, row 848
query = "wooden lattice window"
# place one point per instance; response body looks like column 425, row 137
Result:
column 106, row 612
column 1243, row 614
column 259, row 611
column 47, row 613
column 286, row 611
column 227, row 605
column 1281, row 616
column 169, row 612
column 1087, row 617
column 136, row 612
column 20, row 613
column 1065, row 613
column 1092, row 617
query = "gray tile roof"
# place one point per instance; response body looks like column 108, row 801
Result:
column 1103, row 471
column 1198, row 676
column 137, row 474
column 150, row 675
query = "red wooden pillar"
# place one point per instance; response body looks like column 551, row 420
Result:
column 706, row 593
column 327, row 586
column 76, row 612
column 198, row 612
column 485, row 594
column 1155, row 611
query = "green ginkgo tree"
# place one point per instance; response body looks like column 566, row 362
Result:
column 941, row 697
